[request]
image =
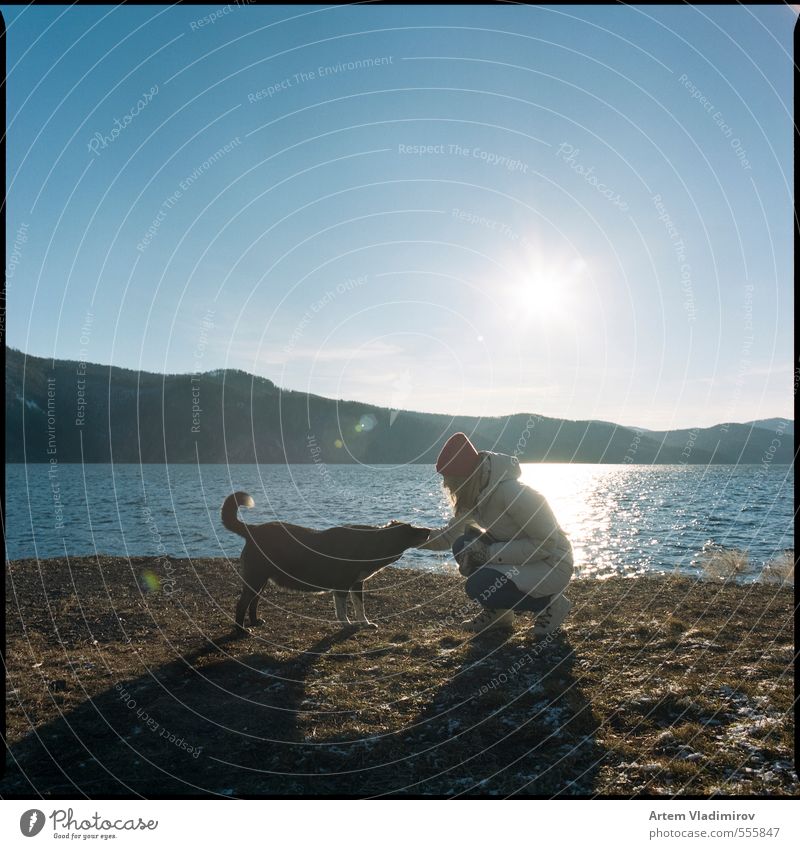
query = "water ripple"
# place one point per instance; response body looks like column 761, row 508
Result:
column 621, row 519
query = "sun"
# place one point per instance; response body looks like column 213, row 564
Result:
column 543, row 294
column 547, row 288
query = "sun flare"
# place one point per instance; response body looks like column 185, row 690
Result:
column 547, row 289
column 543, row 294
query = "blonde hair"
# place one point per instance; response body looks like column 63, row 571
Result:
column 463, row 491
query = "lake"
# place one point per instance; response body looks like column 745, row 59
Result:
column 622, row 520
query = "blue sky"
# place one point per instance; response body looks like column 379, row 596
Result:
column 577, row 211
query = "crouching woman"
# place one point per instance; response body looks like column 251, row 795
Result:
column 505, row 539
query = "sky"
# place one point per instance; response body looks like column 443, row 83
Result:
column 582, row 212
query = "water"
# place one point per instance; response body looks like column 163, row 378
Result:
column 621, row 519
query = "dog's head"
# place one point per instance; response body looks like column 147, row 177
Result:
column 410, row 534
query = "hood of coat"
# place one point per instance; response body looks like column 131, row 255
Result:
column 502, row 467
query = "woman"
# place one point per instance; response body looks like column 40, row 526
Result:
column 505, row 539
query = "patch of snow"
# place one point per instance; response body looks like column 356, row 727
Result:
column 554, row 718
column 453, row 725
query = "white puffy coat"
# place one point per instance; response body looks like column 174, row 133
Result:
column 534, row 551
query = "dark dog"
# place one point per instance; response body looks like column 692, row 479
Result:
column 297, row 558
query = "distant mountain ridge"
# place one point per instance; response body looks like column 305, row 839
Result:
column 783, row 425
column 69, row 412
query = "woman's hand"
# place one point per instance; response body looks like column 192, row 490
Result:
column 471, row 556
column 435, row 541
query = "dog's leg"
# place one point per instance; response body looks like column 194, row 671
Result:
column 248, row 596
column 340, row 603
column 357, row 594
column 252, row 610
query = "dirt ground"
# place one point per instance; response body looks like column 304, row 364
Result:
column 656, row 686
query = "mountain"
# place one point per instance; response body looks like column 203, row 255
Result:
column 737, row 443
column 775, row 425
column 70, row 412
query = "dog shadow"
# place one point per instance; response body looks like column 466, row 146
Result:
column 506, row 718
column 196, row 726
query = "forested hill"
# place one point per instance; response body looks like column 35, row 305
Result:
column 71, row 412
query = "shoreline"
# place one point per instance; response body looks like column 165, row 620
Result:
column 662, row 686
column 725, row 564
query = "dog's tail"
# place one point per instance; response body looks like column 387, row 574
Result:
column 230, row 517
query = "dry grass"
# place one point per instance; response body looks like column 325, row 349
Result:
column 780, row 570
column 730, row 564
column 725, row 564
column 658, row 686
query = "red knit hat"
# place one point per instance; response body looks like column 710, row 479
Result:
column 458, row 457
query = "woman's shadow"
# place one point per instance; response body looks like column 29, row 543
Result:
column 506, row 717
column 513, row 719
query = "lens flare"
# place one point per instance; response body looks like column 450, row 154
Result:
column 366, row 423
column 150, row 581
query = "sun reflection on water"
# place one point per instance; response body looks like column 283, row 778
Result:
column 579, row 508
column 625, row 519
